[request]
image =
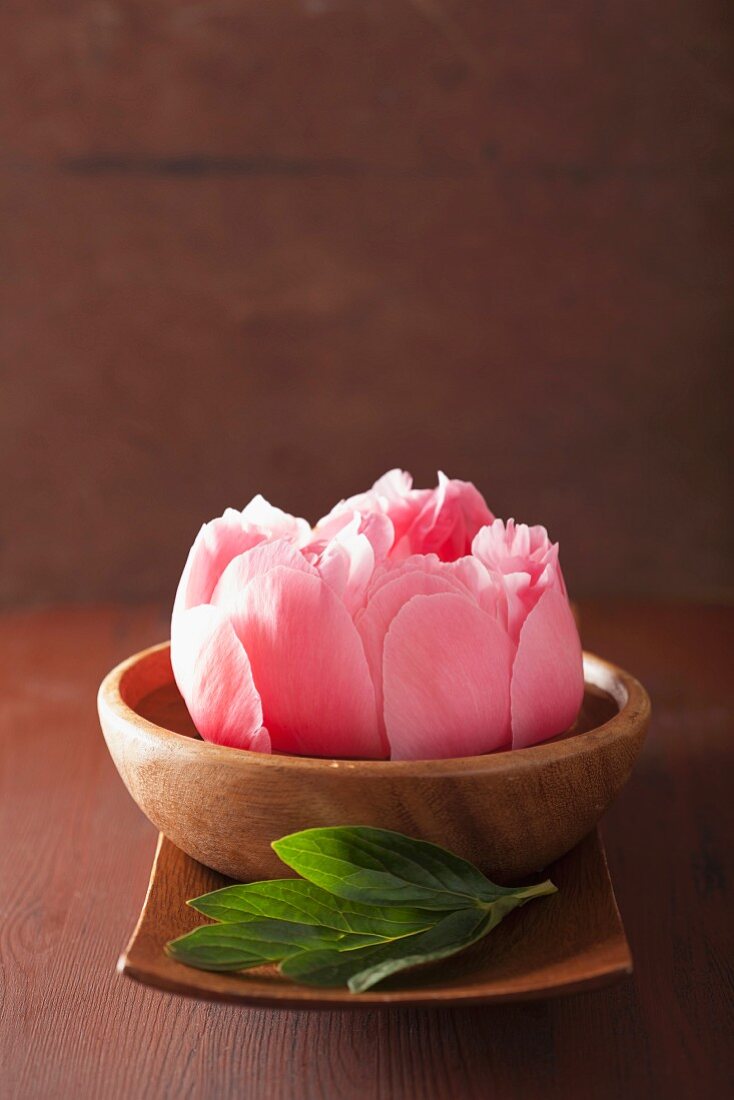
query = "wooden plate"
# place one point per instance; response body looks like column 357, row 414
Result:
column 571, row 941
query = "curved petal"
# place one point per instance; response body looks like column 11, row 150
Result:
column 547, row 677
column 446, row 677
column 448, row 520
column 376, row 526
column 379, row 529
column 374, row 622
column 521, row 596
column 216, row 544
column 456, row 578
column 391, row 498
column 260, row 559
column 524, row 561
column 214, row 676
column 227, row 536
column 482, row 585
column 394, row 486
column 347, row 563
column 443, row 520
column 278, row 524
column 309, row 666
column 514, row 547
column 399, row 499
column 466, row 576
column 330, row 525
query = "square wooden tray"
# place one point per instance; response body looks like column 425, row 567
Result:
column 571, row 941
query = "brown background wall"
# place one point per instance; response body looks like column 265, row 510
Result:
column 284, row 246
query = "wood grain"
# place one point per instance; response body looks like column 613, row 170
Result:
column 574, row 942
column 76, row 853
column 510, row 813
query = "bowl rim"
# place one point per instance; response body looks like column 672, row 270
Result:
column 626, row 691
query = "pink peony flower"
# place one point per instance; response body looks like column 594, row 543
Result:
column 408, row 623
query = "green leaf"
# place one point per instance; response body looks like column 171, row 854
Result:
column 255, row 942
column 294, row 899
column 363, row 968
column 371, row 903
column 377, row 866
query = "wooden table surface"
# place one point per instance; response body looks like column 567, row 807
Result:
column 75, row 855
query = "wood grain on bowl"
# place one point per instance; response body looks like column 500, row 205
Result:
column 573, row 940
column 511, row 813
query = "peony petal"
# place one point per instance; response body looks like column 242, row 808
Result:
column 443, row 520
column 482, row 585
column 278, row 524
column 394, row 486
column 252, row 563
column 346, row 559
column 524, row 561
column 379, row 529
column 522, row 597
column 227, row 536
column 309, row 666
column 547, row 677
column 466, row 575
column 347, row 565
column 515, row 548
column 390, row 499
column 400, row 501
column 374, row 622
column 448, row 520
column 456, row 579
column 213, row 675
column 375, row 525
column 214, row 547
column 446, row 680
column 329, row 526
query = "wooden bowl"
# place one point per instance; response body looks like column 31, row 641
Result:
column 510, row 813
